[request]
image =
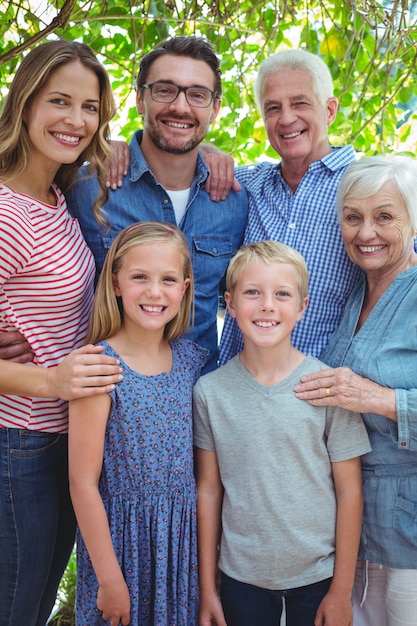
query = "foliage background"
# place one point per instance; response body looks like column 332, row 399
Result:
column 370, row 47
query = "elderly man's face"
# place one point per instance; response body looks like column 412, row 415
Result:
column 295, row 120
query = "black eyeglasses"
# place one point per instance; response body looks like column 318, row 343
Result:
column 200, row 97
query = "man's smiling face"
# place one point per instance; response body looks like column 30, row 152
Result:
column 177, row 127
column 296, row 121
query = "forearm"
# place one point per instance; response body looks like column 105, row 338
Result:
column 336, row 606
column 380, row 400
column 94, row 527
column 348, row 524
column 348, row 528
column 25, row 380
column 209, row 524
column 209, row 530
column 83, row 372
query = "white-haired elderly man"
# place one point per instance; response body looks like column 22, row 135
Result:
column 293, row 200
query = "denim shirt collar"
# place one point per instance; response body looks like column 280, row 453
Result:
column 139, row 166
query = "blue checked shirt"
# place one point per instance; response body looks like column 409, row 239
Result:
column 307, row 221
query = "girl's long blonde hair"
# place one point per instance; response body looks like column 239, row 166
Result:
column 32, row 74
column 107, row 313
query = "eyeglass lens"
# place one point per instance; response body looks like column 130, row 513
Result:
column 196, row 96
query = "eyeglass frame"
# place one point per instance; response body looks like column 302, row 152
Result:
column 183, row 90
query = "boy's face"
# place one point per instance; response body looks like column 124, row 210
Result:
column 266, row 303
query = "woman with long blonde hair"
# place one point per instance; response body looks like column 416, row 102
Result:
column 56, row 116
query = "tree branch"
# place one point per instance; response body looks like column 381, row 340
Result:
column 60, row 21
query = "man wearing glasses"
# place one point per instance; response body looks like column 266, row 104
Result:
column 178, row 95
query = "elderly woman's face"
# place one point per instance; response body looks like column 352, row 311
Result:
column 377, row 231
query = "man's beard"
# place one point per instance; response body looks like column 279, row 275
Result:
column 164, row 144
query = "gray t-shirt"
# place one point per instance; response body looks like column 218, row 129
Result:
column 274, row 453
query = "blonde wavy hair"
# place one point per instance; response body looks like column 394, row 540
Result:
column 32, row 74
column 107, row 313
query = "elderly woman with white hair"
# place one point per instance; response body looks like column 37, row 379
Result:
column 374, row 352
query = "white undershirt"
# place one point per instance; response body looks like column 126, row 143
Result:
column 179, row 201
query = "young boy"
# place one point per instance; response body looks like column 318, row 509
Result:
column 278, row 480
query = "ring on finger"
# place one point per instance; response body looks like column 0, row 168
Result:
column 328, row 394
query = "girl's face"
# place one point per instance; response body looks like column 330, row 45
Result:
column 151, row 285
column 64, row 115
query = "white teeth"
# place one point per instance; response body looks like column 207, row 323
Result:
column 178, row 125
column 370, row 248
column 153, row 309
column 67, row 138
column 266, row 324
column 291, row 135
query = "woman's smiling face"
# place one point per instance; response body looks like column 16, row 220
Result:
column 64, row 115
column 377, row 231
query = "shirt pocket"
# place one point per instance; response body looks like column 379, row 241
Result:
column 405, row 512
column 210, row 258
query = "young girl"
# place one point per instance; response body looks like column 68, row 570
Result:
column 131, row 466
column 56, row 116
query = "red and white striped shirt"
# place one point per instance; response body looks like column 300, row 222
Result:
column 46, row 292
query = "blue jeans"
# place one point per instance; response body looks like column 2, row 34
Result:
column 37, row 524
column 248, row 605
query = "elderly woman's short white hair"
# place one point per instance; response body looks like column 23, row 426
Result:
column 299, row 60
column 366, row 176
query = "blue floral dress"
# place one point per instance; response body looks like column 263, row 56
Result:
column 148, row 489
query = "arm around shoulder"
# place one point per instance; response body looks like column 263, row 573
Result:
column 83, row 372
column 222, row 172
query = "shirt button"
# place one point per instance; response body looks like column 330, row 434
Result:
column 403, row 444
column 214, row 250
column 292, row 226
column 166, row 201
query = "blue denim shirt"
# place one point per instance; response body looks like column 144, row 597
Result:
column 213, row 230
column 385, row 350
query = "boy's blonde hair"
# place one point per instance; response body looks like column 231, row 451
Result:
column 107, row 313
column 269, row 252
